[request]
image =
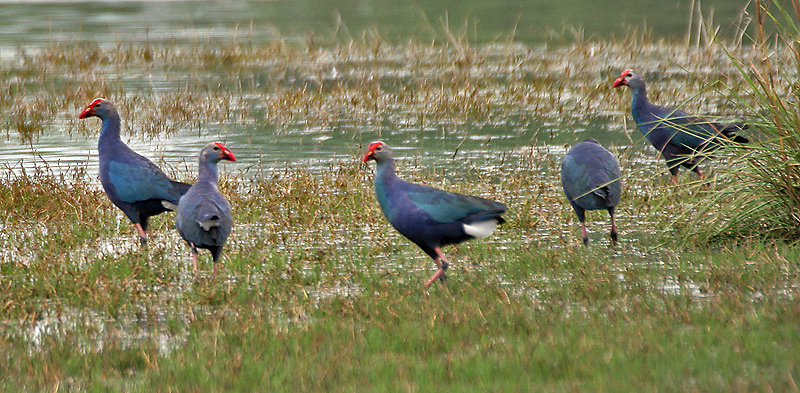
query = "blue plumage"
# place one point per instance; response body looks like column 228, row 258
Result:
column 591, row 179
column 132, row 182
column 429, row 217
column 204, row 216
column 682, row 139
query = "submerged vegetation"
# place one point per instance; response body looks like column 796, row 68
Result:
column 389, row 85
column 318, row 293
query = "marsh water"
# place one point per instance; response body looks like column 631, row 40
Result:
column 27, row 26
column 24, row 23
column 457, row 141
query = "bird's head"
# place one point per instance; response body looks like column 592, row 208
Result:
column 377, row 151
column 629, row 78
column 216, row 152
column 99, row 107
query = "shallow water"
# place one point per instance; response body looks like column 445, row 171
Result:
column 314, row 150
column 34, row 23
column 28, row 25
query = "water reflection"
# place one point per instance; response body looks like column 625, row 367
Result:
column 39, row 23
column 314, row 149
column 28, row 25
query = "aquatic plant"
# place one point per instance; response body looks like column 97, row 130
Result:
column 759, row 194
column 446, row 83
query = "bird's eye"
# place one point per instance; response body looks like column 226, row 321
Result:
column 379, row 148
column 216, row 148
column 630, row 75
column 96, row 105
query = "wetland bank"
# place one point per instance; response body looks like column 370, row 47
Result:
column 317, row 291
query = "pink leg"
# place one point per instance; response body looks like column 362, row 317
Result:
column 142, row 233
column 214, row 276
column 700, row 175
column 439, row 259
column 584, row 235
column 194, row 258
column 613, row 231
column 675, row 179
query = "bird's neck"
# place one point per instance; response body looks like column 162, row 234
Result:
column 384, row 176
column 208, row 173
column 109, row 134
column 385, row 172
column 639, row 99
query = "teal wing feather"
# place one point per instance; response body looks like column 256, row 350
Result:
column 692, row 132
column 445, row 206
column 135, row 183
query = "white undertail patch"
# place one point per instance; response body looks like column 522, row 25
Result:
column 481, row 228
column 208, row 224
column 169, row 205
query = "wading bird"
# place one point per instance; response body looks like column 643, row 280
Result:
column 429, row 217
column 204, row 215
column 591, row 180
column 131, row 181
column 682, row 139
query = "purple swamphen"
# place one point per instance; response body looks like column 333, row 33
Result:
column 682, row 139
column 429, row 217
column 591, row 180
column 131, row 181
column 204, row 215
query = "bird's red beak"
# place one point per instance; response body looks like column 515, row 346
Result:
column 226, row 153
column 88, row 110
column 367, row 156
column 620, row 81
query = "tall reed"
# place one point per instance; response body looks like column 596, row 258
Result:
column 760, row 195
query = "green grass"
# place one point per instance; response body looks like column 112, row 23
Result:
column 318, row 293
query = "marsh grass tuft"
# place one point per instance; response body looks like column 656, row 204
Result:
column 449, row 81
column 758, row 196
column 318, row 292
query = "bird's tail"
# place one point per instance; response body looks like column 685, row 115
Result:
column 181, row 187
column 178, row 189
column 731, row 130
column 605, row 194
column 487, row 215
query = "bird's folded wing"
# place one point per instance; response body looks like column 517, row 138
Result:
column 136, row 183
column 209, row 214
column 445, row 206
column 692, row 132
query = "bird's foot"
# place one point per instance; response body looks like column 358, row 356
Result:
column 586, row 240
column 438, row 275
column 614, row 238
column 142, row 233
